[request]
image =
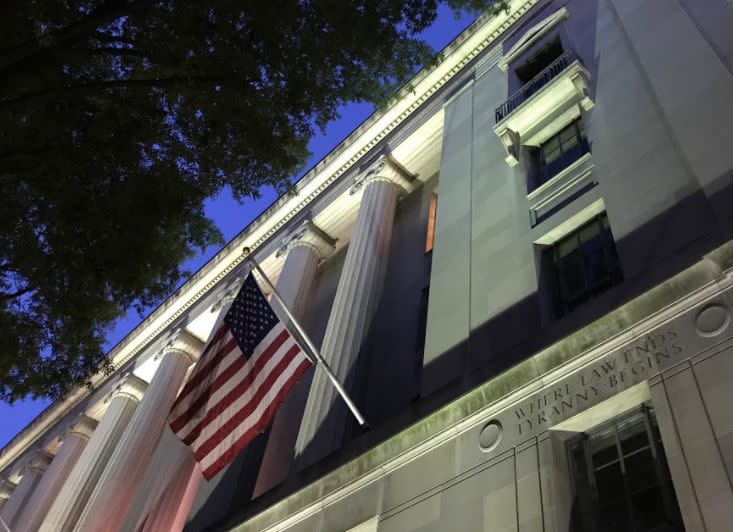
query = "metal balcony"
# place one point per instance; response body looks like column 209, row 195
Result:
column 535, row 84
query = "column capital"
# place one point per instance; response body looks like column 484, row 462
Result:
column 83, row 426
column 39, row 463
column 228, row 295
column 388, row 170
column 130, row 386
column 183, row 343
column 308, row 234
column 6, row 488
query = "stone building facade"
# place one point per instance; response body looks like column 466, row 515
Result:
column 522, row 270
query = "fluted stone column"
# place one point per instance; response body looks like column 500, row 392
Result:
column 357, row 297
column 305, row 248
column 116, row 489
column 50, row 485
column 31, row 477
column 74, row 494
column 6, row 490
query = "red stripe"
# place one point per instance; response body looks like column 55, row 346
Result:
column 199, row 375
column 248, row 436
column 203, row 364
column 246, row 411
column 235, row 392
column 201, row 400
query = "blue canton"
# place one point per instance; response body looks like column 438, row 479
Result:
column 250, row 317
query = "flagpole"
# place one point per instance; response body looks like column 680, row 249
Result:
column 314, row 353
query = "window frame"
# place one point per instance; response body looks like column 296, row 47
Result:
column 564, row 301
column 547, row 170
column 585, row 490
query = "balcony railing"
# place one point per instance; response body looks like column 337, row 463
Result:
column 550, row 170
column 535, row 84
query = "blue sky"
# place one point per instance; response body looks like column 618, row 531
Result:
column 231, row 217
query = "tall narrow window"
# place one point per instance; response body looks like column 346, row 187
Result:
column 430, row 234
column 621, row 478
column 584, row 263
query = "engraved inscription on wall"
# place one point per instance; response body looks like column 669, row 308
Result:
column 631, row 365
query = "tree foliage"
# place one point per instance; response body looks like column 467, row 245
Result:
column 120, row 117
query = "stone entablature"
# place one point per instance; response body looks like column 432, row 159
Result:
column 680, row 319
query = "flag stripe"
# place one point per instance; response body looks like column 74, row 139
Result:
column 245, row 435
column 249, row 365
column 200, row 373
column 240, row 393
column 213, row 390
column 212, row 437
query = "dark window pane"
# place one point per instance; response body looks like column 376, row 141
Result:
column 595, row 263
column 561, row 150
column 648, row 507
column 603, row 448
column 585, row 264
column 633, row 435
column 572, row 276
column 631, row 492
column 614, row 517
column 641, row 471
column 610, row 484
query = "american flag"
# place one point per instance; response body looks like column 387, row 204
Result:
column 243, row 375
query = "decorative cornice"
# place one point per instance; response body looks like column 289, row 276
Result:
column 231, row 255
column 308, row 234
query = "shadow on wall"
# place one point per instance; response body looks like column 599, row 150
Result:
column 666, row 245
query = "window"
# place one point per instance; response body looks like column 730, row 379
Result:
column 561, row 150
column 621, row 479
column 430, row 235
column 539, row 61
column 583, row 264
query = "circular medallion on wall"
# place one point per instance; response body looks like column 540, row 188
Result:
column 712, row 320
column 490, row 436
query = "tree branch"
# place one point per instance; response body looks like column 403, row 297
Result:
column 106, row 12
column 122, row 83
column 14, row 295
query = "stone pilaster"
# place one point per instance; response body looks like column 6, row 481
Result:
column 50, row 485
column 305, row 248
column 78, row 487
column 116, row 489
column 357, row 297
column 32, row 474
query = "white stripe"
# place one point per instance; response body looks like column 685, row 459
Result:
column 243, row 400
column 254, row 418
column 233, row 382
column 226, row 388
column 204, row 384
